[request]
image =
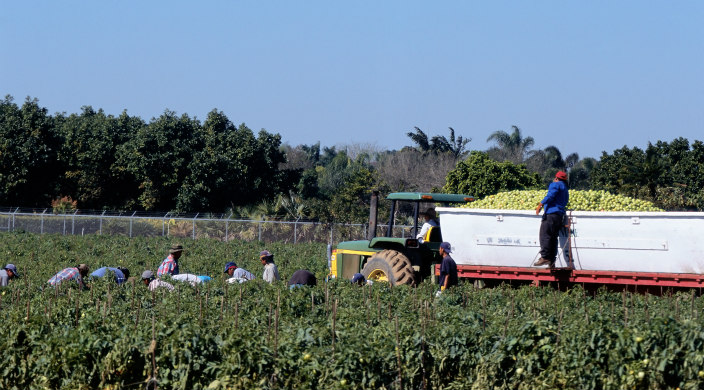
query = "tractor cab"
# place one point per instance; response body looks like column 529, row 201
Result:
column 398, row 256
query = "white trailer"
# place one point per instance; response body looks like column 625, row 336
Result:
column 633, row 248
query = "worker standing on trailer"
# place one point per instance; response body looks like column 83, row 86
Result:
column 170, row 264
column 448, row 267
column 555, row 204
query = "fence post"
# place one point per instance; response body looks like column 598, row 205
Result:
column 73, row 223
column 101, row 222
column 41, row 229
column 13, row 219
column 295, row 230
column 194, row 225
column 260, row 230
column 131, row 223
column 64, row 232
column 227, row 220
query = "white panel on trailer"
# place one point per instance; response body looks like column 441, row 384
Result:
column 607, row 241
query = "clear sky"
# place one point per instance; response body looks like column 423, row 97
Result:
column 585, row 76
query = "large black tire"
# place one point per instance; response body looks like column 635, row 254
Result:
column 392, row 265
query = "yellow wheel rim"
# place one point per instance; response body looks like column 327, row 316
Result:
column 378, row 275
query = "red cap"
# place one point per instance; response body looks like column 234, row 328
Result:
column 561, row 175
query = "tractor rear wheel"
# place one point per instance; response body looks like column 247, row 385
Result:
column 389, row 266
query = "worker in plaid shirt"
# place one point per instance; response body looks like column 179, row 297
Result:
column 170, row 264
column 76, row 274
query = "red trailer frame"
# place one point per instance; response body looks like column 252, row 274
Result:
column 536, row 276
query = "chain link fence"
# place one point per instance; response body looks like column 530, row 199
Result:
column 220, row 227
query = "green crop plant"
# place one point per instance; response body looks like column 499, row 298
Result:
column 335, row 335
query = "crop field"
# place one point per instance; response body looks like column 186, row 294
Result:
column 332, row 336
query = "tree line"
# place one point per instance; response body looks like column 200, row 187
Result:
column 92, row 160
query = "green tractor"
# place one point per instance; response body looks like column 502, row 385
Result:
column 396, row 260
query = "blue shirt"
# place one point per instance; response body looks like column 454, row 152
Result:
column 556, row 199
column 100, row 272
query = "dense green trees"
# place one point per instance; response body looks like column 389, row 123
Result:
column 28, row 153
column 105, row 162
column 231, row 167
column 178, row 163
column 671, row 175
column 89, row 158
column 480, row 176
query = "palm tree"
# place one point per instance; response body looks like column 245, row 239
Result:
column 440, row 144
column 455, row 146
column 420, row 139
column 580, row 173
column 548, row 161
column 512, row 147
column 293, row 205
column 555, row 160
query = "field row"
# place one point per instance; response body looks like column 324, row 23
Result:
column 334, row 335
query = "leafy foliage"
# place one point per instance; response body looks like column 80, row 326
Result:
column 28, row 145
column 439, row 144
column 480, row 176
column 89, row 157
column 332, row 336
column 668, row 174
column 105, row 162
column 511, row 147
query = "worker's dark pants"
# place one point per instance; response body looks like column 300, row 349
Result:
column 549, row 230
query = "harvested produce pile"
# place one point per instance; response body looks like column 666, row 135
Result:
column 332, row 336
column 579, row 200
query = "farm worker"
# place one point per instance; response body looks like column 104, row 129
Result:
column 271, row 272
column 170, row 264
column 236, row 274
column 121, row 274
column 430, row 221
column 76, row 273
column 554, row 203
column 7, row 273
column 301, row 278
column 359, row 279
column 152, row 283
column 448, row 267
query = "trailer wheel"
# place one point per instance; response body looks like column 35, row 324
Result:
column 389, row 266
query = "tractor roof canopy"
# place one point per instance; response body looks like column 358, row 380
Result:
column 430, row 197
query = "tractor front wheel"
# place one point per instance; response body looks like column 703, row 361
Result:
column 389, row 266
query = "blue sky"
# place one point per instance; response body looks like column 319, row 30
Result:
column 583, row 76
